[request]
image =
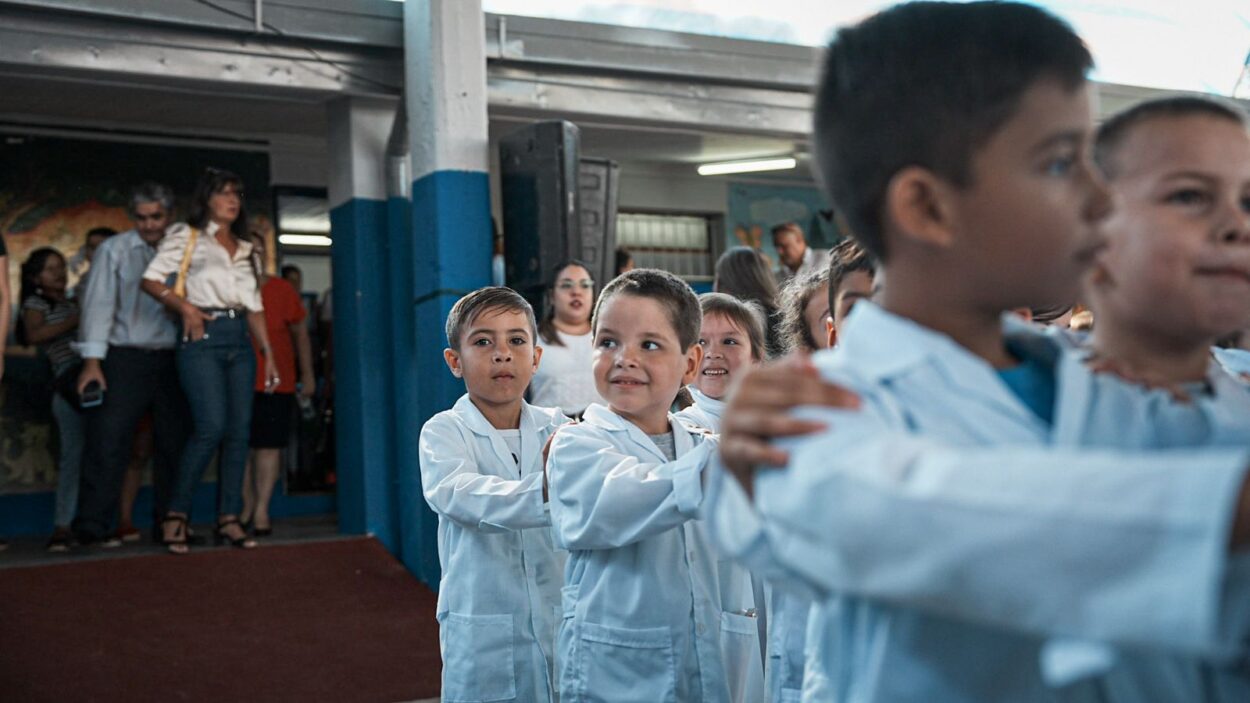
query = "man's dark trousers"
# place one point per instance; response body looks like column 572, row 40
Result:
column 138, row 380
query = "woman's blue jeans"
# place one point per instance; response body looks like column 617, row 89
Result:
column 217, row 375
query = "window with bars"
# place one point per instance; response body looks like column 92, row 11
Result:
column 681, row 244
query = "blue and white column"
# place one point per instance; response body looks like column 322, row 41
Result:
column 364, row 425
column 445, row 90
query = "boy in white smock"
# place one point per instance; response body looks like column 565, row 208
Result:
column 482, row 472
column 642, row 609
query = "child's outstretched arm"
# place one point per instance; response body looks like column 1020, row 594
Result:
column 1129, row 547
column 602, row 498
column 455, row 489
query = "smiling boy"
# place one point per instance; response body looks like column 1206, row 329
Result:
column 644, row 616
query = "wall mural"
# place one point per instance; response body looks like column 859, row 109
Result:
column 52, row 191
column 755, row 209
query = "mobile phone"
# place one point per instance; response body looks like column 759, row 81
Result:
column 92, row 396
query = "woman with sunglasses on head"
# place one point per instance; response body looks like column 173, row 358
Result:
column 564, row 378
column 214, row 291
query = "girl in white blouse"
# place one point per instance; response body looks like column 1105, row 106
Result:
column 212, row 259
column 564, row 379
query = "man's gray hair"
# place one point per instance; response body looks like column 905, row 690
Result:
column 151, row 192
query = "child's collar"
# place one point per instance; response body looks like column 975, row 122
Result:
column 473, row 418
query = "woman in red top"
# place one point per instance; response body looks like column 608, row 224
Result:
column 273, row 409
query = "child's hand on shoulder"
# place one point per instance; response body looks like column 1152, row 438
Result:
column 758, row 413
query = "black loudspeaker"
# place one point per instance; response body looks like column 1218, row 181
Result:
column 556, row 206
column 538, row 173
column 597, row 186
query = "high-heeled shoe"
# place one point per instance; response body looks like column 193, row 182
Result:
column 178, row 543
column 243, row 542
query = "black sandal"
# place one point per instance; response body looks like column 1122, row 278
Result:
column 243, row 542
column 178, row 543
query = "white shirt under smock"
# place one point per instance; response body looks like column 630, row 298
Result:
column 214, row 279
column 959, row 547
column 644, row 616
column 499, row 595
column 564, row 378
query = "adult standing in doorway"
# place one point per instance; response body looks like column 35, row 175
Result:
column 212, row 265
column 127, row 344
column 797, row 259
column 564, row 379
column 274, row 408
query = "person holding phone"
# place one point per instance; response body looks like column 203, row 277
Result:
column 216, row 294
column 48, row 321
column 127, row 343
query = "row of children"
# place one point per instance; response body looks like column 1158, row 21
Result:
column 982, row 511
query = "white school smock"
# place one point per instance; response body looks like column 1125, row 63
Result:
column 706, row 411
column 946, row 541
column 743, row 656
column 642, row 617
column 1234, row 361
column 786, row 611
column 499, row 595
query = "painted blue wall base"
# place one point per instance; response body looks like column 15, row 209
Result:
column 362, row 349
column 23, row 514
column 452, row 238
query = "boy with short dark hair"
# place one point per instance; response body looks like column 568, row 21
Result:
column 644, row 616
column 951, row 526
column 482, row 472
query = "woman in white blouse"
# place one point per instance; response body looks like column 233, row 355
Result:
column 212, row 258
column 564, row 378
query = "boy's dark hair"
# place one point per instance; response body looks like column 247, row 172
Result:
column 795, row 297
column 667, row 290
column 747, row 316
column 489, row 299
column 844, row 259
column 623, row 257
column 291, row 268
column 1112, row 133
column 547, row 325
column 926, row 84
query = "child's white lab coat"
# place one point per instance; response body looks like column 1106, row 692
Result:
column 948, row 532
column 642, row 599
column 743, row 656
column 499, row 596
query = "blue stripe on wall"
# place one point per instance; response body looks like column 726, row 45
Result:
column 31, row 513
column 451, row 256
column 362, row 351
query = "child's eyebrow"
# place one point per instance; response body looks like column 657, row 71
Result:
column 1074, row 137
column 1191, row 175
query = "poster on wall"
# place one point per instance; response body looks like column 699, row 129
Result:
column 754, row 209
column 53, row 190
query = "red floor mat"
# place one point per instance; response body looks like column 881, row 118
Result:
column 323, row 621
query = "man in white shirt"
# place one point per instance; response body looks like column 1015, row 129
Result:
column 797, row 259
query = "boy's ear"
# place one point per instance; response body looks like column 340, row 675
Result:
column 452, row 357
column 832, row 332
column 694, row 359
column 919, row 205
column 538, row 355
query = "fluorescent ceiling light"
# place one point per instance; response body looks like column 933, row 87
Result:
column 305, row 240
column 720, row 169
